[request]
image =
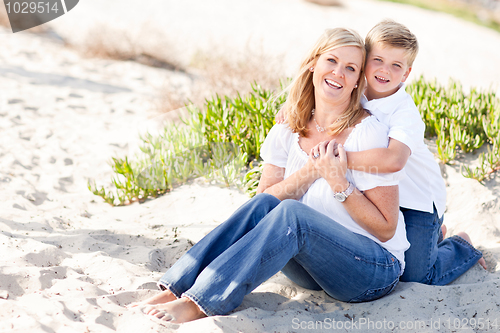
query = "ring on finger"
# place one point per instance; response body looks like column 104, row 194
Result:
column 316, row 155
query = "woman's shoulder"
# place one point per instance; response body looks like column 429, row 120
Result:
column 280, row 134
column 276, row 146
column 282, row 131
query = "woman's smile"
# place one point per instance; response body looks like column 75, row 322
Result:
column 333, row 84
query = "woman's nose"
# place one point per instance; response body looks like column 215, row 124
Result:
column 338, row 72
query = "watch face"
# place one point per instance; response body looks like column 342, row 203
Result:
column 340, row 197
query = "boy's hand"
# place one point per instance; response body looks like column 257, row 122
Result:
column 280, row 116
column 335, row 148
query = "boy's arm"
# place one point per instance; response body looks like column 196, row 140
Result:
column 383, row 160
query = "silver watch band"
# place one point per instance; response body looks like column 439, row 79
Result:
column 342, row 196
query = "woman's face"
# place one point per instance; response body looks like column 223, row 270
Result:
column 336, row 73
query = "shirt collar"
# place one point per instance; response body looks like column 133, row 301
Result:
column 385, row 104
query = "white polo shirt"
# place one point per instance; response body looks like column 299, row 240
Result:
column 423, row 185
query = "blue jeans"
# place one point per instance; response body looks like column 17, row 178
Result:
column 429, row 260
column 266, row 235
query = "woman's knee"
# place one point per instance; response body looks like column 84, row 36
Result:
column 265, row 198
column 290, row 204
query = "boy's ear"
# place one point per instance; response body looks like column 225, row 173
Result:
column 405, row 75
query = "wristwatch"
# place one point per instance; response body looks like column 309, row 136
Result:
column 341, row 196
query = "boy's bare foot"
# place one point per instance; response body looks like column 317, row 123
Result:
column 179, row 311
column 160, row 298
column 444, row 230
column 481, row 261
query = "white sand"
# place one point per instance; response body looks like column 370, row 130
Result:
column 70, row 262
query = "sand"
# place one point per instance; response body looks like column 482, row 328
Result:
column 70, row 262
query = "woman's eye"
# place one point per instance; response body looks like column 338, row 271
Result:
column 351, row 68
column 332, row 60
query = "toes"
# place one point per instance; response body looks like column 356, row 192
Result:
column 149, row 310
column 482, row 262
column 167, row 317
column 133, row 305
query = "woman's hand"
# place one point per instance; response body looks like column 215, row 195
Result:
column 330, row 166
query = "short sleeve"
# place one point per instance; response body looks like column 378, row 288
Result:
column 370, row 134
column 406, row 125
column 276, row 146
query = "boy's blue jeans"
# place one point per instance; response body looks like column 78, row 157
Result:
column 429, row 260
column 267, row 235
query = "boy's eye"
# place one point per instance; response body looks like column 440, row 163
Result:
column 378, row 59
column 397, row 65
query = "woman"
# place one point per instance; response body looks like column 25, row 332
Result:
column 332, row 236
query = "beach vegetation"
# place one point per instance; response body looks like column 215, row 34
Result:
column 460, row 123
column 221, row 141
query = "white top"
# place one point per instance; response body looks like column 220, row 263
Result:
column 281, row 148
column 423, row 185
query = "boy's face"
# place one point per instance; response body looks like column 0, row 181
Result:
column 386, row 67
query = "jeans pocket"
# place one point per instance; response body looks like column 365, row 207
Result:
column 373, row 294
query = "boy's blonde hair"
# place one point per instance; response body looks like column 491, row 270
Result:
column 394, row 34
column 300, row 101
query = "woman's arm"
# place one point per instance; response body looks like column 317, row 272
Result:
column 376, row 210
column 380, row 160
column 272, row 181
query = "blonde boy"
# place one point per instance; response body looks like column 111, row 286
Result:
column 391, row 50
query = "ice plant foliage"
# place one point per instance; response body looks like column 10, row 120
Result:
column 460, row 122
column 222, row 142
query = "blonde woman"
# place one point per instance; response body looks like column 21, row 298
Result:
column 325, row 227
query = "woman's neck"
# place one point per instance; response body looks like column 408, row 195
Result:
column 327, row 114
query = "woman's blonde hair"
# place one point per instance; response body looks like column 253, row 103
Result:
column 300, row 101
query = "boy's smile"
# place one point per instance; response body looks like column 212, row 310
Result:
column 386, row 68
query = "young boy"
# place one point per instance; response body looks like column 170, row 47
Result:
column 391, row 49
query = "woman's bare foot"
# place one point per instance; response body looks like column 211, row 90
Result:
column 160, row 298
column 481, row 261
column 179, row 311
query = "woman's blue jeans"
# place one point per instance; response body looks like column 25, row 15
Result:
column 267, row 235
column 430, row 260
